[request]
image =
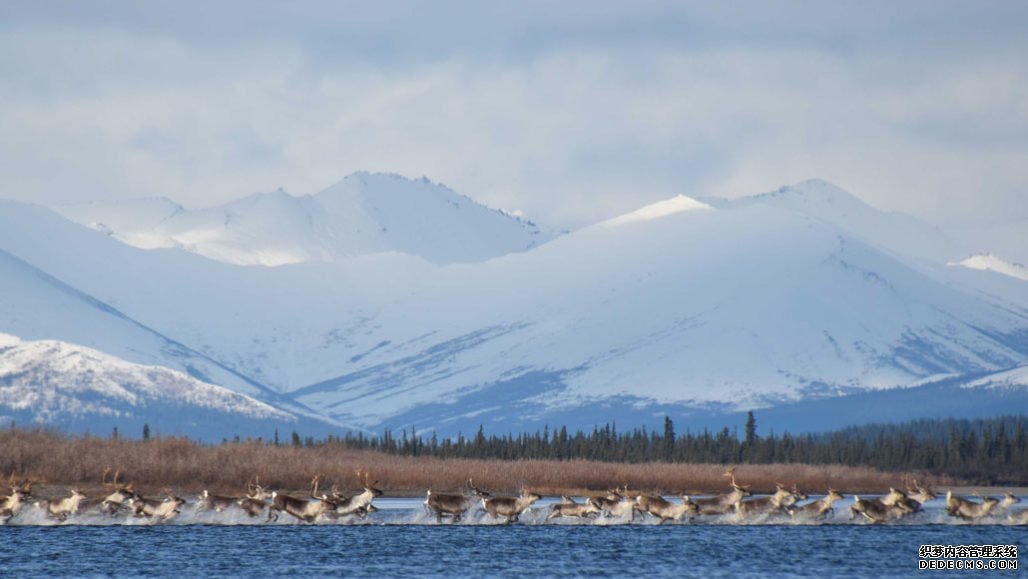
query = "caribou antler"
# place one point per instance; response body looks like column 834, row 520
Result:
column 364, row 477
column 476, row 490
column 730, row 473
column 314, row 485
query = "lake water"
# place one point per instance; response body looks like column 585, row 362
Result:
column 402, row 541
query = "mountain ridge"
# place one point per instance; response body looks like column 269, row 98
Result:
column 361, row 214
column 687, row 306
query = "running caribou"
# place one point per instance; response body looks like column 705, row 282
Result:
column 359, row 504
column 770, row 504
column 119, row 495
column 217, row 503
column 664, row 509
column 510, row 508
column 304, row 510
column 815, row 510
column 968, row 509
column 256, row 498
column 723, row 503
column 156, row 509
column 568, row 507
column 616, row 503
column 453, row 505
column 10, row 505
column 61, row 509
column 887, row 508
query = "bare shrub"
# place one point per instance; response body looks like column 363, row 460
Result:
column 178, row 463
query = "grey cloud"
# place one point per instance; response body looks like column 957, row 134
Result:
column 571, row 112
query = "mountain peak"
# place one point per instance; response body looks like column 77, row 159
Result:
column 816, row 191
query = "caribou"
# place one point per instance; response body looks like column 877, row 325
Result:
column 359, row 504
column 606, row 503
column 119, row 495
column 10, row 505
column 255, row 501
column 616, row 504
column 156, row 509
column 1018, row 517
column 968, row 509
column 816, row 510
column 61, row 509
column 303, row 509
column 920, row 494
column 1009, row 500
column 775, row 503
column 664, row 509
column 19, row 493
column 881, row 509
column 510, row 508
column 723, row 503
column 568, row 507
column 453, row 505
column 217, row 503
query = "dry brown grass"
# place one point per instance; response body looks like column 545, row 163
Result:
column 181, row 464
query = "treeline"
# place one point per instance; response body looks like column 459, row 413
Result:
column 989, row 451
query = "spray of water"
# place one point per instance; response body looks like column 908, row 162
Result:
column 412, row 512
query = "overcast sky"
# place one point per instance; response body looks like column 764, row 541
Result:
column 570, row 112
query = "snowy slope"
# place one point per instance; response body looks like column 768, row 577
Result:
column 133, row 221
column 277, row 326
column 990, row 262
column 37, row 306
column 57, row 383
column 727, row 309
column 362, row 214
column 1015, row 379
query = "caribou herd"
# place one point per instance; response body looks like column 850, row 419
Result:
column 738, row 503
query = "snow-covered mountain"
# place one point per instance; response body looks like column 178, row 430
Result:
column 688, row 307
column 49, row 382
column 700, row 309
column 362, row 214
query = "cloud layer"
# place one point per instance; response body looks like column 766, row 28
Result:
column 568, row 112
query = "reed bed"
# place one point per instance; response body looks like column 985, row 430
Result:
column 177, row 463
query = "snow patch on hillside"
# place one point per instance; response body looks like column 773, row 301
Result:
column 1016, row 378
column 658, row 210
column 990, row 262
